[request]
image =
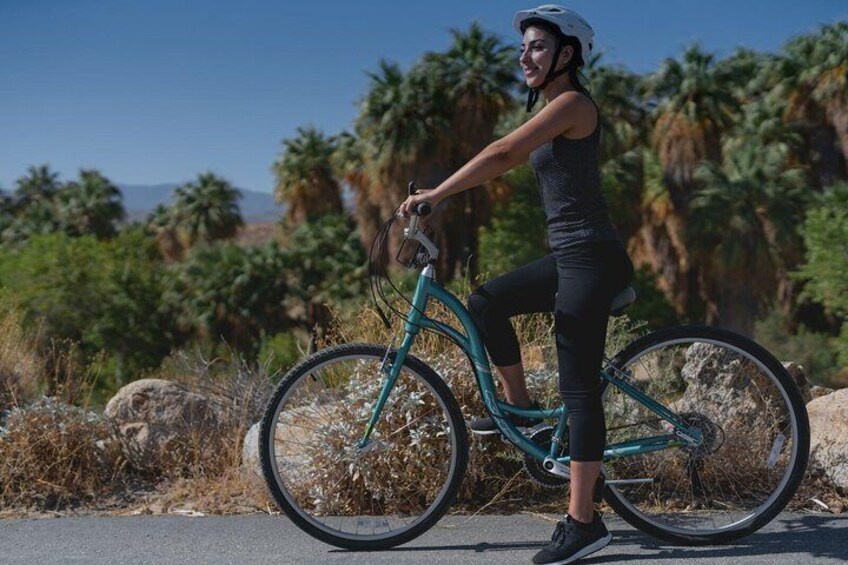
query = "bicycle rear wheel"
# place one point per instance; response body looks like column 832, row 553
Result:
column 375, row 497
column 755, row 428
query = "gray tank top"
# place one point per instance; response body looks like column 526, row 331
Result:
column 568, row 175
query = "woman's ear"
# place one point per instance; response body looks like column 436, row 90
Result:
column 566, row 55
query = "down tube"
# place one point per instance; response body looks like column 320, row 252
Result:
column 481, row 365
column 474, row 343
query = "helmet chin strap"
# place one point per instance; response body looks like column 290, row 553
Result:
column 533, row 95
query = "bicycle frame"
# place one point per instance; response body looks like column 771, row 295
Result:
column 472, row 344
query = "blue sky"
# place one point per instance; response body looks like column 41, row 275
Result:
column 157, row 91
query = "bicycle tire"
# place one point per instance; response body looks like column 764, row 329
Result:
column 306, row 522
column 798, row 458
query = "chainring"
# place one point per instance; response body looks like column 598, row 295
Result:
column 534, row 467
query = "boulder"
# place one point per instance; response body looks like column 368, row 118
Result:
column 819, row 391
column 160, row 424
column 733, row 389
column 829, row 435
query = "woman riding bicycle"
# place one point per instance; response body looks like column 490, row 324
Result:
column 588, row 264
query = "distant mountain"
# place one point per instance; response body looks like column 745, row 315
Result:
column 140, row 200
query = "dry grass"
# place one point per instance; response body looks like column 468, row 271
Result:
column 21, row 368
column 495, row 478
column 209, row 477
column 53, row 455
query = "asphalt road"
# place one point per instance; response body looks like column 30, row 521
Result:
column 254, row 539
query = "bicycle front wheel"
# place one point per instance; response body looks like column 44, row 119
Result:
column 372, row 497
column 756, row 436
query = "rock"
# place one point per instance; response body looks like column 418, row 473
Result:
column 819, row 391
column 161, row 424
column 251, row 469
column 250, row 463
column 829, row 435
column 733, row 390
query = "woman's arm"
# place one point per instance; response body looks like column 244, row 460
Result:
column 568, row 111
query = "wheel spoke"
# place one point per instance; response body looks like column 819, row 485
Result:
column 375, row 494
column 718, row 384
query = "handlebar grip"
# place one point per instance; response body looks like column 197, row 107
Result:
column 423, row 208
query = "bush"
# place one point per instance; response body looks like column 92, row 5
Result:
column 213, row 480
column 517, row 234
column 53, row 455
column 282, row 351
column 97, row 295
column 226, row 293
column 818, row 353
column 495, row 476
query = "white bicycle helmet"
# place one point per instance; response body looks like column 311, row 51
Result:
column 569, row 23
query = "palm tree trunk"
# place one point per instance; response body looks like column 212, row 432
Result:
column 737, row 307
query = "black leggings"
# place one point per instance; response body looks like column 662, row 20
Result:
column 578, row 284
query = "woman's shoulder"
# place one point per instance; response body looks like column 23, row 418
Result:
column 586, row 119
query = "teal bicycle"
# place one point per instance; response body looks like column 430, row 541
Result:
column 364, row 446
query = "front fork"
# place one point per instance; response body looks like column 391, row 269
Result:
column 390, row 369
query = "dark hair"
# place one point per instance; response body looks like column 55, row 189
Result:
column 576, row 60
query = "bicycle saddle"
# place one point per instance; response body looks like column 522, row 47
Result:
column 622, row 300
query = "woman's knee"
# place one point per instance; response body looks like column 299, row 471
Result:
column 479, row 303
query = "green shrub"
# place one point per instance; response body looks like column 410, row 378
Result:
column 517, row 234
column 99, row 295
column 282, row 350
column 818, row 353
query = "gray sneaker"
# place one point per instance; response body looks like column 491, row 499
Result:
column 574, row 540
column 486, row 426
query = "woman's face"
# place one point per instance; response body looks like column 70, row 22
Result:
column 537, row 50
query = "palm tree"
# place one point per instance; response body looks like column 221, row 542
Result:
column 38, row 217
column 741, row 220
column 305, row 179
column 761, row 125
column 206, row 210
column 810, row 83
column 830, row 77
column 93, row 205
column 424, row 124
column 624, row 129
column 479, row 74
column 40, row 185
column 162, row 224
column 225, row 292
column 402, row 123
column 692, row 106
column 349, row 164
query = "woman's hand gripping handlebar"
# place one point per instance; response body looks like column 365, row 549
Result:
column 415, row 206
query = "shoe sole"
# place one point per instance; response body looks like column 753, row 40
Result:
column 589, row 549
column 486, row 433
